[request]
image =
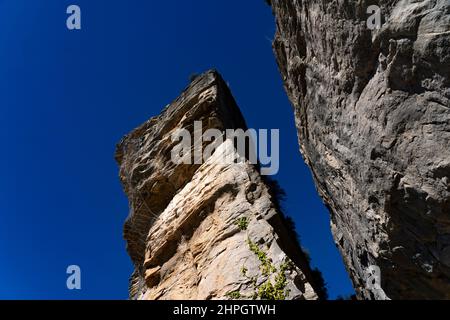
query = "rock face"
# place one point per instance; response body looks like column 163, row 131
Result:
column 372, row 109
column 210, row 230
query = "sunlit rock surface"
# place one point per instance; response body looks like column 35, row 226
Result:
column 206, row 231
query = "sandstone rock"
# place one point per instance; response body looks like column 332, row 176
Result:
column 205, row 231
column 373, row 115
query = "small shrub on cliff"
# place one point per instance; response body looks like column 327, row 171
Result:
column 278, row 291
column 242, row 223
column 278, row 196
column 266, row 264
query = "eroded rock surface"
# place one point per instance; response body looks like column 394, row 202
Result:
column 372, row 109
column 205, row 231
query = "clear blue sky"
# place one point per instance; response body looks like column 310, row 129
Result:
column 67, row 97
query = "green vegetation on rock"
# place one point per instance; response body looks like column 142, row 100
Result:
column 242, row 223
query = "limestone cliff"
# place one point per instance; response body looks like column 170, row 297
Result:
column 210, row 230
column 372, row 109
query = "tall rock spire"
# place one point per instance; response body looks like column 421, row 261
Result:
column 209, row 230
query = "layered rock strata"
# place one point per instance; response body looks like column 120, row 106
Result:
column 209, row 230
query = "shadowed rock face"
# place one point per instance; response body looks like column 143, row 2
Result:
column 195, row 231
column 373, row 115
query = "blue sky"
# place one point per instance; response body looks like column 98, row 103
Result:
column 66, row 99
